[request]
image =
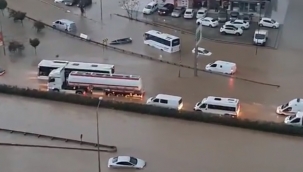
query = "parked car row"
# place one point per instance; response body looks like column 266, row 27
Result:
column 82, row 3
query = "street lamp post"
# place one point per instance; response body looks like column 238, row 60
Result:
column 98, row 140
column 101, row 11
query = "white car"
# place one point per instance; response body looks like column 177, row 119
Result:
column 268, row 22
column 189, row 13
column 208, row 21
column 126, row 162
column 224, row 67
column 232, row 30
column 201, row 13
column 58, row 1
column 202, row 52
column 239, row 23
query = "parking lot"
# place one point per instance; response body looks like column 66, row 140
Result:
column 213, row 33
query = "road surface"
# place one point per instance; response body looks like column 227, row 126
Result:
column 157, row 77
column 163, row 142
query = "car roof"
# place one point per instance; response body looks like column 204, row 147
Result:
column 66, row 21
column 225, row 63
column 168, row 97
column 123, row 158
column 202, row 9
column 189, row 9
column 266, row 18
column 261, row 31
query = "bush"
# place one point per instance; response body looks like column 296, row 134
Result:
column 39, row 25
column 151, row 110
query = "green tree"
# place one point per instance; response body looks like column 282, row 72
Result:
column 34, row 43
column 17, row 15
column 3, row 5
column 39, row 26
column 15, row 46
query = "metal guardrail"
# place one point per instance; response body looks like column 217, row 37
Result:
column 50, row 147
column 153, row 58
column 108, row 147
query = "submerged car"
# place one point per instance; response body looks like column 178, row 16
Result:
column 202, row 52
column 178, row 12
column 121, row 41
column 126, row 162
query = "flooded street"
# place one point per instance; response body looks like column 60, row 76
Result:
column 164, row 143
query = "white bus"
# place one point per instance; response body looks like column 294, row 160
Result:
column 162, row 41
column 219, row 106
column 46, row 66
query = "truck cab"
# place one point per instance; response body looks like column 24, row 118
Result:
column 295, row 120
column 56, row 78
column 290, row 108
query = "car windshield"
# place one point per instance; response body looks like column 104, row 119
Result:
column 273, row 21
column 133, row 160
column 162, row 9
column 204, row 51
column 213, row 20
column 148, row 7
column 188, row 12
column 115, row 159
column 292, row 117
column 284, row 106
column 260, row 36
column 201, row 12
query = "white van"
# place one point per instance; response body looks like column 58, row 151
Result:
column 220, row 66
column 150, row 8
column 219, row 106
column 294, row 120
column 260, row 37
column 65, row 25
column 167, row 101
column 291, row 107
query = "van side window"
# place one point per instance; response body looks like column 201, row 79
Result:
column 203, row 105
column 163, row 101
column 213, row 65
column 180, row 101
column 296, row 120
column 288, row 109
column 156, row 100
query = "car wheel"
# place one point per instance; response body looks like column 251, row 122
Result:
column 199, row 23
column 242, row 28
column 54, row 26
column 274, row 27
column 224, row 33
column 238, row 34
column 210, row 25
column 261, row 25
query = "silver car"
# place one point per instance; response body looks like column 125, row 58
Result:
column 178, row 12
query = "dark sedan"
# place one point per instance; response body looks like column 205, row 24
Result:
column 166, row 9
column 234, row 15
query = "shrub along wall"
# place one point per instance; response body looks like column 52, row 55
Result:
column 151, row 110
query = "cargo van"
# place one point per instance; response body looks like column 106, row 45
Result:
column 220, row 66
column 150, row 8
column 65, row 25
column 291, row 107
column 260, row 37
column 219, row 106
column 167, row 101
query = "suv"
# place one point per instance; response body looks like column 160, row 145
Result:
column 189, row 14
column 239, row 23
column 166, row 9
column 232, row 30
column 222, row 16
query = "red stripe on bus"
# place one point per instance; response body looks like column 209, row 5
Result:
column 113, row 77
column 81, row 83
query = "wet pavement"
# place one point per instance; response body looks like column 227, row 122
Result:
column 259, row 102
column 22, row 70
column 189, row 25
column 163, row 143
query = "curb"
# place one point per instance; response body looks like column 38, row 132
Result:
column 152, row 58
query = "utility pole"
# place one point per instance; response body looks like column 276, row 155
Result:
column 98, row 139
column 2, row 38
column 198, row 40
column 101, row 11
column 258, row 26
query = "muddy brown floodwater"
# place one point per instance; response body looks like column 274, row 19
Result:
column 166, row 144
